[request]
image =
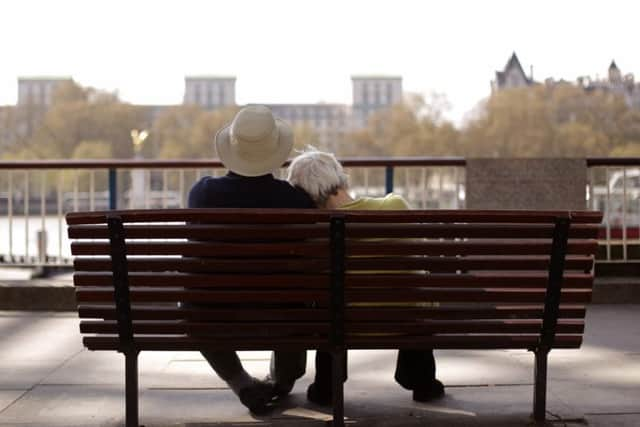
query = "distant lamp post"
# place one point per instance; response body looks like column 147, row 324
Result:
column 138, row 194
column 138, row 137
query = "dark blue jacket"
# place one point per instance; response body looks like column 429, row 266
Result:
column 236, row 191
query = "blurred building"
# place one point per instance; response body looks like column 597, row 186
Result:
column 374, row 93
column 210, row 92
column 329, row 122
column 38, row 91
column 617, row 83
column 512, row 76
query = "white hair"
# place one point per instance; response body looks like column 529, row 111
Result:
column 318, row 173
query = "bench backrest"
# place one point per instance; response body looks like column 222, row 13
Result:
column 270, row 279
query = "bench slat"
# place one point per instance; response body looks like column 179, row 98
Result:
column 293, row 281
column 471, row 247
column 160, row 312
column 231, row 329
column 459, row 342
column 222, row 329
column 466, row 280
column 205, row 249
column 306, row 231
column 443, row 264
column 351, row 296
column 485, row 295
column 205, row 231
column 301, row 216
column 322, row 281
column 195, row 265
column 198, row 296
column 352, row 314
column 435, row 264
column 353, row 248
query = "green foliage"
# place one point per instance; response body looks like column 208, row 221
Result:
column 550, row 121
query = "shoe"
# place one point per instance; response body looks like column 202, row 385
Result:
column 434, row 391
column 257, row 397
column 280, row 389
column 319, row 396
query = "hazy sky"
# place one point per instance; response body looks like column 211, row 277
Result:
column 305, row 51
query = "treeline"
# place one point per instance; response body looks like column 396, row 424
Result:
column 562, row 120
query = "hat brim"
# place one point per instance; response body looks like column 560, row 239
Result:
column 252, row 167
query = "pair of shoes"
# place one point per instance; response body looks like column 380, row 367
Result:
column 280, row 389
column 434, row 391
column 319, row 395
column 257, row 397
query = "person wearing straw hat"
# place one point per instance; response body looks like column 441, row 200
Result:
column 253, row 146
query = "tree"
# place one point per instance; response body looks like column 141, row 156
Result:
column 84, row 114
column 412, row 128
column 559, row 120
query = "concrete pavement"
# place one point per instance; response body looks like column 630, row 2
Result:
column 48, row 379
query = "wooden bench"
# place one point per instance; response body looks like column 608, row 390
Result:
column 287, row 279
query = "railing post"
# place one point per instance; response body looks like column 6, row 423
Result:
column 388, row 181
column 113, row 189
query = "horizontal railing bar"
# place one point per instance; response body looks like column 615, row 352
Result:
column 198, row 163
column 347, row 162
column 613, row 161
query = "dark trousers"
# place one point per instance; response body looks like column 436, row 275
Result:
column 286, row 366
column 415, row 369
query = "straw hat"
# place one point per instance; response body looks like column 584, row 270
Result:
column 255, row 143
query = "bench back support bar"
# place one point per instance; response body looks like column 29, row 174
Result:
column 120, row 281
column 554, row 288
column 337, row 243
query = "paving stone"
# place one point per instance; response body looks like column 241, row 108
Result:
column 107, row 367
column 38, row 338
column 598, row 384
column 81, row 405
column 7, row 397
column 24, row 375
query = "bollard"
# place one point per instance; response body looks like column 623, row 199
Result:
column 42, row 245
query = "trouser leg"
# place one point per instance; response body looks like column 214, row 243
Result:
column 415, row 368
column 287, row 366
column 226, row 363
column 324, row 369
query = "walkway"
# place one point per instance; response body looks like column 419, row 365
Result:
column 47, row 379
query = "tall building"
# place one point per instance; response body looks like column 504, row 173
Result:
column 38, row 91
column 210, row 92
column 330, row 122
column 373, row 93
column 513, row 76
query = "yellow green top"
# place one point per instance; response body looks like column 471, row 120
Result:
column 390, row 202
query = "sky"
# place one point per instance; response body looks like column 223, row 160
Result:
column 305, row 51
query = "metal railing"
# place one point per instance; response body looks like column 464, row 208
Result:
column 35, row 195
column 614, row 188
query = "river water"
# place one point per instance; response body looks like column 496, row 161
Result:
column 20, row 233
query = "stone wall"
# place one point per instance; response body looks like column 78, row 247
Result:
column 526, row 184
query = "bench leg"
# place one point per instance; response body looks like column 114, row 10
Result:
column 131, row 388
column 337, row 383
column 540, row 387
